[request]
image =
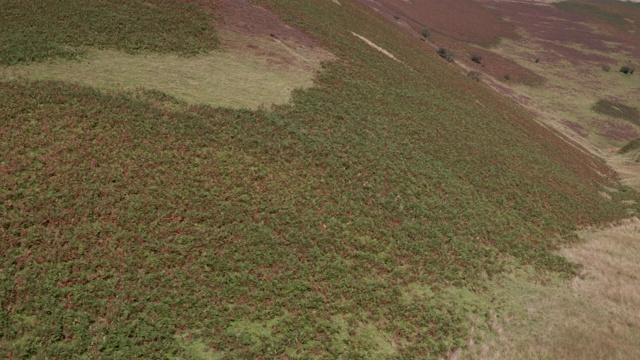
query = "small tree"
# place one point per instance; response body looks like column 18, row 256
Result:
column 425, row 33
column 625, row 69
column 507, row 76
column 606, row 68
column 445, row 54
column 476, row 58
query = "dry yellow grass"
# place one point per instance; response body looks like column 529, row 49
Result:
column 595, row 316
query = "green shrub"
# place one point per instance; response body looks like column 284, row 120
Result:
column 445, row 54
column 606, row 68
column 626, row 69
column 476, row 59
column 425, row 33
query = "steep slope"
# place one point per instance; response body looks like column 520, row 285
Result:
column 362, row 219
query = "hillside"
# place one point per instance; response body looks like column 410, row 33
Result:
column 365, row 217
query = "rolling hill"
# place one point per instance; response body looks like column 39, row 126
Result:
column 365, row 217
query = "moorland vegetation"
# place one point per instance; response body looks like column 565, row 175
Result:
column 364, row 218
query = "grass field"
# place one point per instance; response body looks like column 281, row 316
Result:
column 227, row 79
column 365, row 218
column 594, row 317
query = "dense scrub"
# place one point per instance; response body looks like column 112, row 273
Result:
column 35, row 31
column 360, row 219
column 617, row 110
column 630, row 146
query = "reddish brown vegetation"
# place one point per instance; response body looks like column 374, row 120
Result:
column 463, row 20
column 456, row 24
column 577, row 128
column 552, row 25
column 618, row 131
column 239, row 16
column 493, row 64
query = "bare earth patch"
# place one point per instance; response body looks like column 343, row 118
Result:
column 373, row 45
column 262, row 61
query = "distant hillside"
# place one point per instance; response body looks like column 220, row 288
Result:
column 362, row 219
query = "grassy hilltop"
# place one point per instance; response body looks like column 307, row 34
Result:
column 363, row 219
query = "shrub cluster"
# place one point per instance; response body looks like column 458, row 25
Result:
column 446, row 54
column 625, row 69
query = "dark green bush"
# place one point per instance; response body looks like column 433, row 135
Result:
column 630, row 146
column 38, row 30
column 625, row 69
column 617, row 110
column 445, row 54
column 476, row 59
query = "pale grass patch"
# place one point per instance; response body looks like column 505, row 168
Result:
column 629, row 171
column 595, row 316
column 258, row 73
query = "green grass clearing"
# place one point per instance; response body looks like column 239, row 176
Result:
column 228, row 79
